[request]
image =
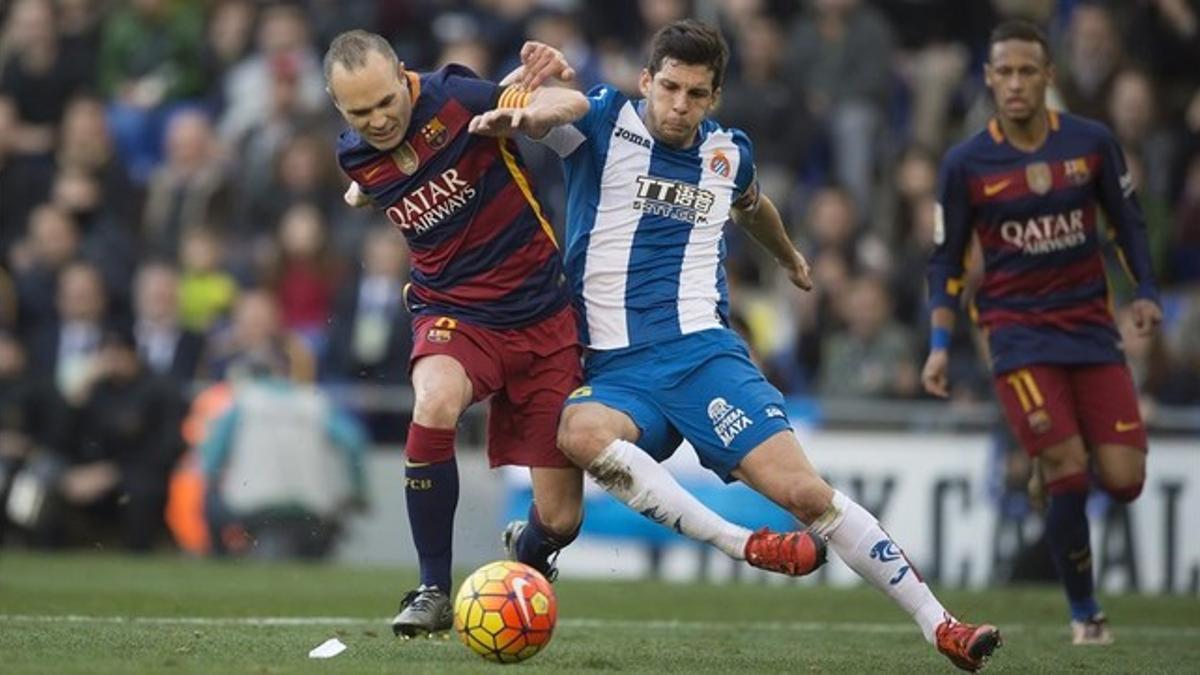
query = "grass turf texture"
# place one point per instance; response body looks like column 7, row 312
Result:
column 103, row 614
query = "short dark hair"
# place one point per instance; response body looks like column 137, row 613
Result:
column 692, row 42
column 1019, row 29
column 351, row 48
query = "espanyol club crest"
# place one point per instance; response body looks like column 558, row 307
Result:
column 719, row 164
column 406, row 158
column 1039, row 178
column 435, row 134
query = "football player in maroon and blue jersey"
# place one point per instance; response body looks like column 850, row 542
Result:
column 492, row 310
column 1035, row 192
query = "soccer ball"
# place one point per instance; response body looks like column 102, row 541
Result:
column 505, row 611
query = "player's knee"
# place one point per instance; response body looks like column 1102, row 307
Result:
column 1125, row 488
column 438, row 406
column 1124, row 493
column 582, row 435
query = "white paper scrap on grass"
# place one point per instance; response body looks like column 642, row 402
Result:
column 327, row 649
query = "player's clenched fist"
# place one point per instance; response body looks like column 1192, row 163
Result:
column 933, row 376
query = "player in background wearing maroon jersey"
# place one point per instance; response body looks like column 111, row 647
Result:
column 1028, row 191
column 493, row 316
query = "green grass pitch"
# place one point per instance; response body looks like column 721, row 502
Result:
column 102, row 614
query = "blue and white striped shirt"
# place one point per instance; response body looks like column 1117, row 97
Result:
column 645, row 223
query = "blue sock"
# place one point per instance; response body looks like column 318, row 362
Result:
column 1070, row 545
column 536, row 544
column 431, row 491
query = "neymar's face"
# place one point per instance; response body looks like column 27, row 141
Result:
column 1018, row 73
column 374, row 99
column 678, row 97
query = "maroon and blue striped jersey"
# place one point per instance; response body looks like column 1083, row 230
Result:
column 481, row 249
column 1036, row 217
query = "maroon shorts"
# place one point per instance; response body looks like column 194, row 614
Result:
column 1047, row 404
column 528, row 373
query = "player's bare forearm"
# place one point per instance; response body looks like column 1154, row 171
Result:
column 535, row 114
column 551, row 107
column 764, row 223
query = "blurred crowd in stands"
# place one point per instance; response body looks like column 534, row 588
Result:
column 171, row 214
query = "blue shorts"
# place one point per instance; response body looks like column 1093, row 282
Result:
column 701, row 386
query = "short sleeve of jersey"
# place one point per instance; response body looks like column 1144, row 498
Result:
column 603, row 101
column 747, row 173
column 603, row 104
column 478, row 96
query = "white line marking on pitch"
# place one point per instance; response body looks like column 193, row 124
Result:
column 644, row 624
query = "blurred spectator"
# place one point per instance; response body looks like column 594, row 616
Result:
column 36, row 79
column 875, row 355
column 840, row 61
column 86, row 145
column 259, row 148
column 32, row 420
column 206, row 288
column 301, row 172
column 370, row 333
column 52, row 243
column 1185, row 247
column 911, row 239
column 283, row 38
column 257, row 330
column 150, row 62
column 934, row 39
column 165, row 347
column 66, row 349
column 1133, row 110
column 79, row 23
column 1090, row 61
column 190, row 188
column 107, row 241
column 227, row 40
column 284, row 467
column 754, row 102
column 306, row 274
column 1164, row 36
column 127, row 439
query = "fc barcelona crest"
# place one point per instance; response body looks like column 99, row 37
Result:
column 1039, row 178
column 435, row 134
column 1076, row 171
column 406, row 158
column 1039, row 421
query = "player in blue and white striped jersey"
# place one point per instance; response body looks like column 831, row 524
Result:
column 651, row 184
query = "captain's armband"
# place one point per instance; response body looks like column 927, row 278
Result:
column 514, row 96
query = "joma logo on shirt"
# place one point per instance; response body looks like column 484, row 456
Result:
column 627, row 135
column 1046, row 234
column 420, row 210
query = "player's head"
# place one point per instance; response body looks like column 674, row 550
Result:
column 368, row 86
column 1018, row 70
column 682, row 80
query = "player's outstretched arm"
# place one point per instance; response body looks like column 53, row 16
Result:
column 757, row 214
column 531, row 113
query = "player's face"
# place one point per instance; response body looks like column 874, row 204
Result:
column 1018, row 73
column 678, row 97
column 374, row 100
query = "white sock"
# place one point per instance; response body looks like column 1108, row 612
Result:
column 855, row 535
column 631, row 475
